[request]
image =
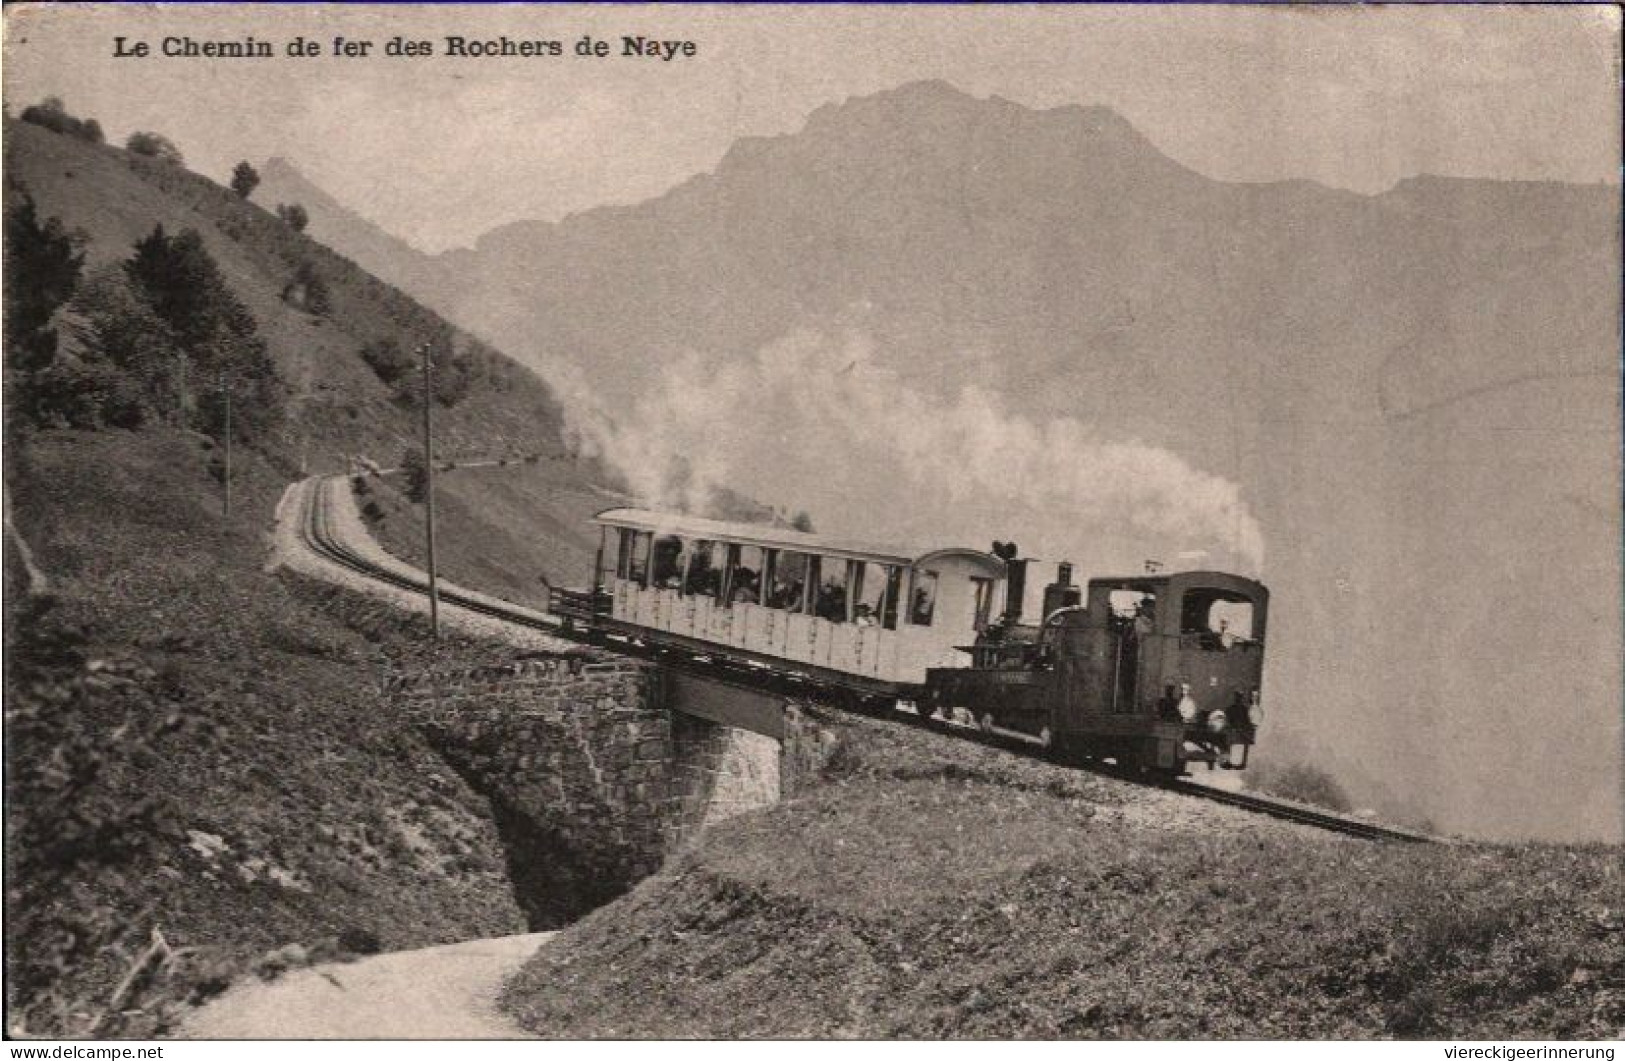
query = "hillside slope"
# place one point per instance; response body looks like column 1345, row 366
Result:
column 338, row 406
column 198, row 750
column 239, row 779
column 939, row 891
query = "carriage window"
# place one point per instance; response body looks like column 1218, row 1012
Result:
column 745, row 574
column 705, row 569
column 829, row 599
column 1128, row 604
column 789, row 577
column 670, row 555
column 874, row 584
column 631, row 559
column 830, row 602
column 1219, row 620
column 984, row 599
column 923, row 600
column 894, row 591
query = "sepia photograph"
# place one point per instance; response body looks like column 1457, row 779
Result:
column 884, row 522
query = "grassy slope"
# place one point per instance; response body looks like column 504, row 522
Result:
column 936, row 890
column 297, row 762
column 338, row 406
column 503, row 530
column 337, row 820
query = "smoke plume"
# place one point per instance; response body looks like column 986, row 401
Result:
column 819, row 423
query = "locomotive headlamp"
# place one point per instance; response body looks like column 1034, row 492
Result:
column 1217, row 721
column 1187, row 706
column 1255, row 710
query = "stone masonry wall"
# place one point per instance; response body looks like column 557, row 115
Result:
column 592, row 779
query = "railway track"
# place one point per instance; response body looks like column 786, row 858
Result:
column 317, row 533
column 1297, row 812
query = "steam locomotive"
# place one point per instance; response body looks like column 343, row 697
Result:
column 1153, row 671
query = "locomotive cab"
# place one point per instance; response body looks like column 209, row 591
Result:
column 1153, row 671
column 1183, row 656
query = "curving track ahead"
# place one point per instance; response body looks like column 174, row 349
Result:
column 316, row 531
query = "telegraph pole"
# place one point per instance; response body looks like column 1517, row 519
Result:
column 225, row 388
column 428, row 485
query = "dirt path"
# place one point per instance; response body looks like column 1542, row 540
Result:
column 447, row 992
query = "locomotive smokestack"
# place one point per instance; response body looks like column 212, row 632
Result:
column 1015, row 589
column 1015, row 580
column 1061, row 593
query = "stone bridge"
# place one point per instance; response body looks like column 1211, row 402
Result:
column 598, row 767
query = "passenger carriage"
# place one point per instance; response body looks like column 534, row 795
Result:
column 867, row 617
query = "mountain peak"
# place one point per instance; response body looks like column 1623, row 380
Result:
column 939, row 126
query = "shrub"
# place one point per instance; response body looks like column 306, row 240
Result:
column 155, row 145
column 293, row 215
column 308, row 291
column 358, row 940
column 387, row 360
column 244, row 179
column 50, row 113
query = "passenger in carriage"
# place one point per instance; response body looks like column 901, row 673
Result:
column 863, row 615
column 746, row 587
column 832, row 601
column 668, row 564
column 704, row 577
column 786, row 595
column 1145, row 616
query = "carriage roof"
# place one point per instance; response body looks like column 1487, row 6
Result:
column 767, row 536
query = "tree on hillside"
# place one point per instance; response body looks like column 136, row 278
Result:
column 244, row 179
column 42, row 267
column 308, row 291
column 386, row 358
column 453, row 375
column 155, row 145
column 293, row 215
column 117, row 326
column 50, row 113
column 217, row 335
column 184, row 285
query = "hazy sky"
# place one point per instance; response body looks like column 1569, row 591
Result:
column 439, row 150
